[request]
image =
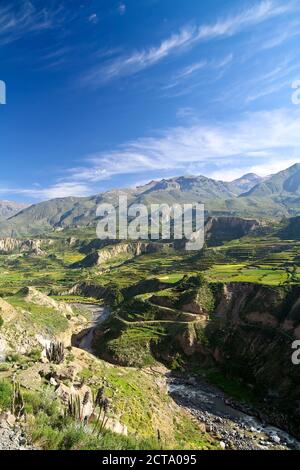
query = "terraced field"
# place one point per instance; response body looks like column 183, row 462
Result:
column 266, row 260
column 162, row 303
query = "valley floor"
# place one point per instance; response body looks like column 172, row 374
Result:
column 229, row 422
column 145, row 311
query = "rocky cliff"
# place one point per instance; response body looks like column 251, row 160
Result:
column 247, row 330
column 12, row 245
column 132, row 249
column 220, row 229
column 250, row 336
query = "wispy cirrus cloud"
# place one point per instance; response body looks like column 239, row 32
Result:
column 231, row 25
column 137, row 61
column 259, row 142
column 191, row 70
column 281, row 35
column 268, row 81
column 57, row 190
column 17, row 19
column 256, row 137
column 188, row 36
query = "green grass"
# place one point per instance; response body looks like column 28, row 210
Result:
column 129, row 346
column 48, row 430
column 171, row 278
column 5, row 394
column 230, row 385
column 48, row 318
column 244, row 273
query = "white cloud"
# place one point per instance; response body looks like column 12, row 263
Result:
column 122, row 9
column 260, row 142
column 58, row 190
column 267, row 80
column 192, row 69
column 186, row 37
column 267, row 136
column 260, row 12
column 93, row 18
column 280, row 36
column 267, row 168
column 137, row 61
column 17, row 21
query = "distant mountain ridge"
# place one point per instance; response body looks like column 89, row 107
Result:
column 10, row 208
column 274, row 197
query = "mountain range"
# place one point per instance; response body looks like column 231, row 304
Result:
column 249, row 196
column 10, row 208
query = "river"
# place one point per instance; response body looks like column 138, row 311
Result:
column 98, row 314
column 235, row 429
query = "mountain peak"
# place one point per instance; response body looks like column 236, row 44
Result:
column 245, row 183
column 250, row 176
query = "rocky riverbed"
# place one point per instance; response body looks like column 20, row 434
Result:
column 12, row 437
column 234, row 428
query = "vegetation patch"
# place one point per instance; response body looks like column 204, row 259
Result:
column 47, row 318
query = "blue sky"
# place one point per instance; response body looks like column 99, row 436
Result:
column 104, row 94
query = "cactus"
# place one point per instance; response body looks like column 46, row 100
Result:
column 74, row 408
column 103, row 404
column 55, row 352
column 99, row 396
column 18, row 408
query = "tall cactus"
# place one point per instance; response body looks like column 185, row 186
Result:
column 18, row 407
column 103, row 404
column 55, row 352
column 74, row 408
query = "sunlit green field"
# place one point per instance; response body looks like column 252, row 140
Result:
column 244, row 273
column 266, row 260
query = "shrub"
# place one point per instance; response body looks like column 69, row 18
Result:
column 6, row 392
column 35, row 354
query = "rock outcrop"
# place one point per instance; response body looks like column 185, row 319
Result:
column 30, row 294
column 251, row 338
column 12, row 245
column 131, row 250
column 220, row 229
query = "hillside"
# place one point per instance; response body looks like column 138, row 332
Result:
column 245, row 183
column 278, row 195
column 158, row 306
